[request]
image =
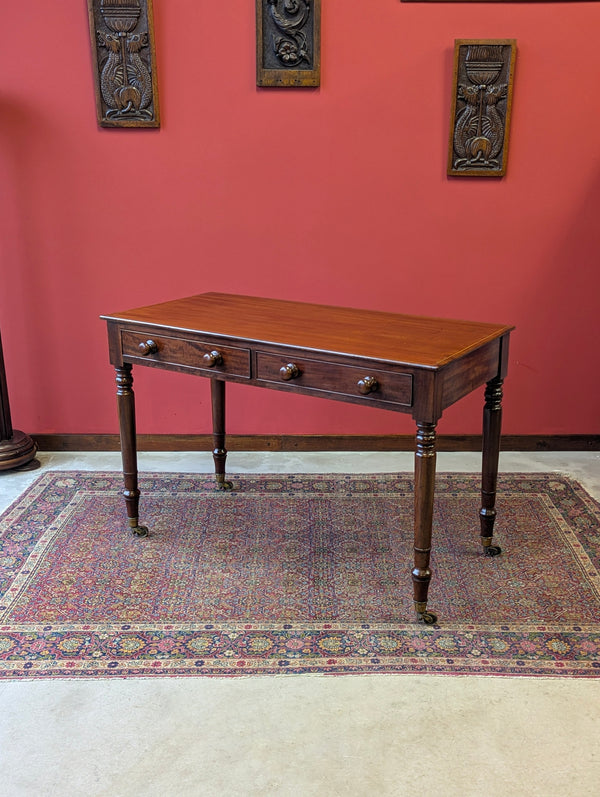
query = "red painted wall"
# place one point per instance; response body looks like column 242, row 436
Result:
column 336, row 195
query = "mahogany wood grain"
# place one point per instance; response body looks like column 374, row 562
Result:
column 217, row 387
column 126, row 410
column 404, row 363
column 399, row 339
column 425, row 459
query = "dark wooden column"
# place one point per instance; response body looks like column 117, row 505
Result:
column 425, row 460
column 127, row 431
column 492, row 422
column 17, row 450
column 218, row 418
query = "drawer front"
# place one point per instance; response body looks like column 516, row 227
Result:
column 333, row 378
column 201, row 355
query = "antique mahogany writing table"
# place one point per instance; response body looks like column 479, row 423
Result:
column 404, row 363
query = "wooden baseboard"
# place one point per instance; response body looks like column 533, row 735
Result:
column 188, row 442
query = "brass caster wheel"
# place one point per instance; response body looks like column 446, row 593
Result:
column 427, row 618
column 140, row 531
column 492, row 550
column 224, row 485
column 423, row 616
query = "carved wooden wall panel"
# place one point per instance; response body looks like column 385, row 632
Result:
column 122, row 33
column 288, row 42
column 481, row 107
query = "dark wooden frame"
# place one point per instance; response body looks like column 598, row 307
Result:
column 127, row 36
column 502, row 107
column 270, row 73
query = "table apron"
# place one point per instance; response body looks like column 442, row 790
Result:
column 423, row 392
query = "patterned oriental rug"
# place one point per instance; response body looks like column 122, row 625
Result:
column 295, row 574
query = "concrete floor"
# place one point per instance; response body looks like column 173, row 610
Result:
column 302, row 735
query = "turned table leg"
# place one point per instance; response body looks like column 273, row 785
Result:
column 492, row 422
column 425, row 457
column 126, row 408
column 218, row 418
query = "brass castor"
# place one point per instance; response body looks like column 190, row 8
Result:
column 423, row 616
column 488, row 548
column 136, row 529
column 223, row 484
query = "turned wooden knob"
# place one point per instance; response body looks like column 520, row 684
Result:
column 289, row 371
column 212, row 358
column 148, row 347
column 367, row 385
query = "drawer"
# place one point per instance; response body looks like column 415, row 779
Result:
column 333, row 378
column 202, row 355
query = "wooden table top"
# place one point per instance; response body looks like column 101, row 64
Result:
column 402, row 339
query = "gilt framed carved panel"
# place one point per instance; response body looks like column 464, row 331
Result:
column 288, row 42
column 124, row 60
column 481, row 107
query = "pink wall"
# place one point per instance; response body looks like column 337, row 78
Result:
column 336, row 195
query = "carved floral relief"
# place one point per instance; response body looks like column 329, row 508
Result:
column 288, row 42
